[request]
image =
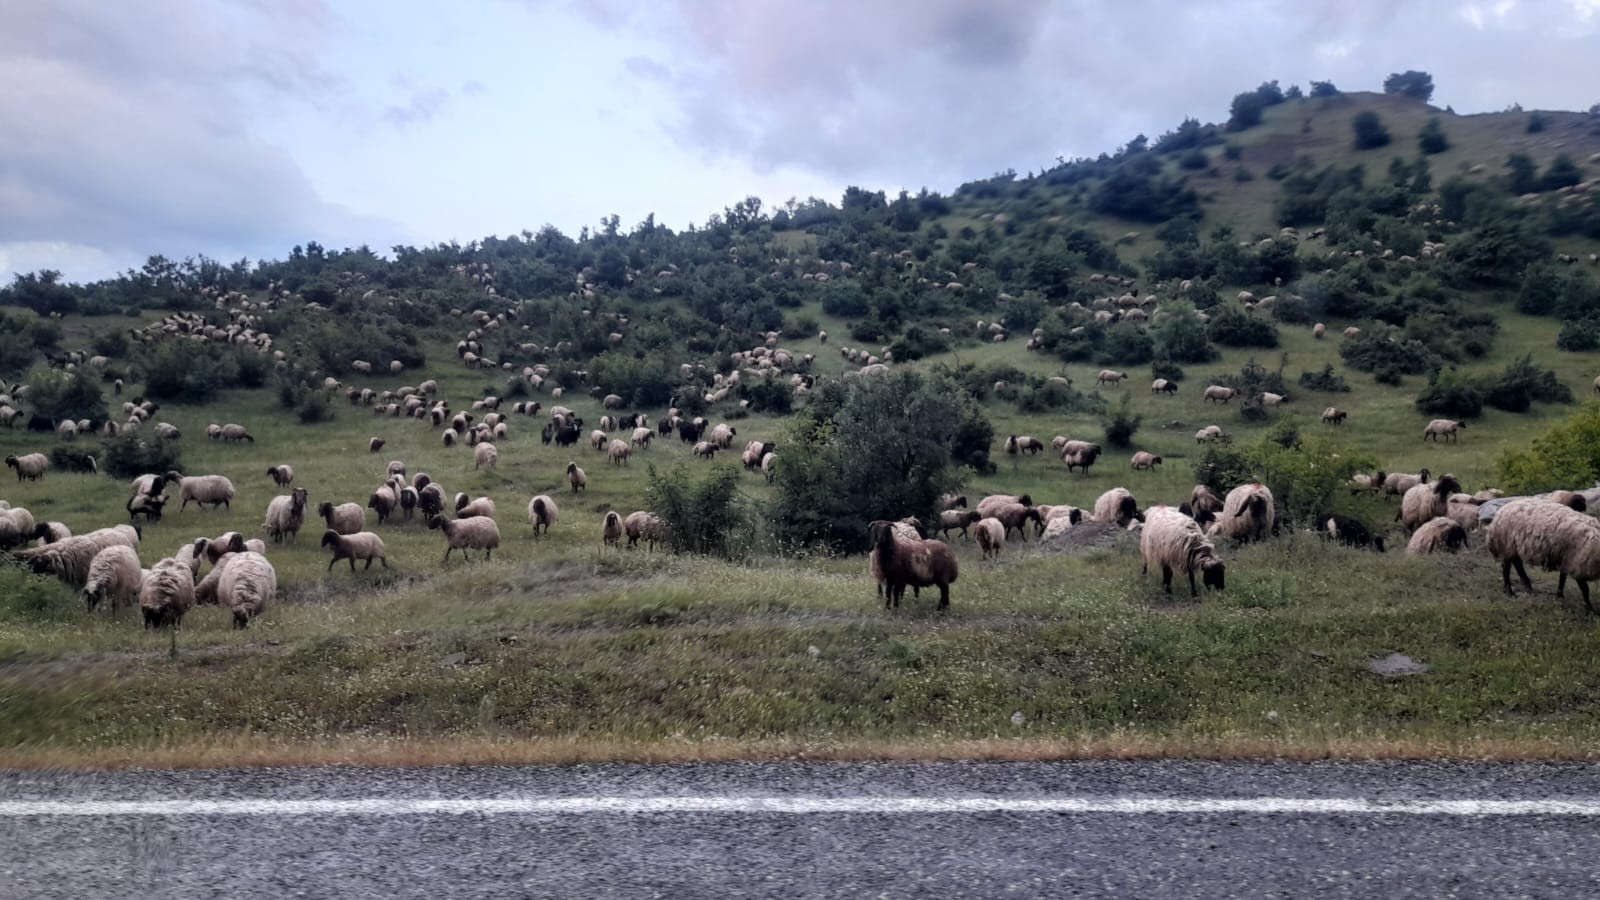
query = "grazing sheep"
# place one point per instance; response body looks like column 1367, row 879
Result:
column 282, row 475
column 68, row 560
column 1163, row 386
column 375, row 444
column 448, row 436
column 114, row 575
column 51, row 532
column 1352, row 532
column 232, row 432
column 67, row 430
column 991, row 535
column 952, row 501
column 485, row 454
column 912, row 562
column 1116, row 505
column 1463, row 510
column 705, row 449
column 383, row 502
column 769, row 463
column 1548, row 535
column 1367, row 484
column 611, row 529
column 1175, row 542
column 247, row 582
column 1333, row 415
column 361, row 545
column 285, row 514
column 1080, row 455
column 1426, row 501
column 641, row 437
column 221, row 545
column 166, row 594
column 1267, row 398
column 597, row 439
column 1216, row 393
column 1248, row 514
column 1352, row 332
column 988, row 506
column 1438, row 535
column 1209, row 434
column 1204, row 501
column 618, row 452
column 541, row 513
column 1107, row 376
column 475, row 533
column 147, row 505
column 16, row 527
column 1445, row 427
column 647, row 526
column 1395, row 484
column 957, row 518
column 467, row 507
column 1145, row 461
column 722, row 435
column 30, row 466
column 577, row 478
column 346, row 518
column 216, row 490
column 1015, row 516
column 1318, row 330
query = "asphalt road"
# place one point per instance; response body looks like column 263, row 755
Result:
column 1128, row 829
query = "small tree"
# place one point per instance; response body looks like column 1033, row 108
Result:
column 1410, row 83
column 1324, row 89
column 1121, row 423
column 1370, row 133
column 57, row 395
column 703, row 517
column 1432, row 138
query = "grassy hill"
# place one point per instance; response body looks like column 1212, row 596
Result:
column 560, row 648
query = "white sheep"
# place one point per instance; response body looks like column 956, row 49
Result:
column 346, row 518
column 247, row 583
column 166, row 593
column 30, row 466
column 115, row 576
column 1146, row 461
column 1550, row 536
column 468, row 507
column 542, row 513
column 1175, row 542
column 990, row 505
column 1333, row 415
column 1217, row 393
column 485, row 454
column 646, row 526
column 1248, row 514
column 611, row 530
column 1426, row 501
column 282, row 475
column 51, row 532
column 619, row 451
column 577, row 478
column 361, row 545
column 1318, row 330
column 1395, row 484
column 69, row 559
column 1442, row 427
column 1108, row 376
column 1438, row 535
column 991, row 535
column 1116, row 506
column 231, row 432
column 16, row 527
column 641, row 437
column 475, row 533
column 1209, row 434
column 216, row 490
column 285, row 514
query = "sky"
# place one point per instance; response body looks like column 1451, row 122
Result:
column 240, row 128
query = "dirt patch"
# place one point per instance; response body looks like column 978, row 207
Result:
column 1086, row 536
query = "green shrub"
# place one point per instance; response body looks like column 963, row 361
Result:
column 1231, row 326
column 132, row 454
column 72, row 459
column 708, row 517
column 1121, row 423
column 1432, row 139
column 768, row 395
column 1166, row 368
column 57, row 394
column 1579, row 335
column 1370, row 133
column 1451, row 394
column 313, row 407
column 1566, row 454
column 1377, row 352
column 1305, row 475
column 1522, row 384
column 1127, row 345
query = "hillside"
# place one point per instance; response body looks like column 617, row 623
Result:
column 1204, row 256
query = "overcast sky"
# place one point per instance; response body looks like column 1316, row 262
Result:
column 238, row 128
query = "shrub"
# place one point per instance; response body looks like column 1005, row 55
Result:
column 1377, row 352
column 313, row 408
column 1304, row 475
column 1451, row 394
column 1121, row 423
column 72, row 459
column 1182, row 337
column 1166, row 368
column 57, row 394
column 1431, row 139
column 768, row 395
column 186, row 372
column 1410, row 83
column 1370, row 133
column 707, row 517
column 920, row 341
column 1231, row 326
column 1579, row 336
column 1566, row 454
column 132, row 454
column 1127, row 345
column 1327, row 381
column 1522, row 383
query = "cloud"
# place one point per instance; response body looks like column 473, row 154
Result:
column 422, row 107
column 130, row 129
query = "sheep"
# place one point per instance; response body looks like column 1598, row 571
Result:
column 383, row 501
column 1352, row 532
column 375, row 444
column 448, row 437
column 1549, row 535
column 1318, row 330
column 1107, row 376
column 597, row 439
column 705, row 449
column 1463, row 510
column 1352, row 332
column 30, row 466
column 957, row 518
column 484, row 454
column 68, row 560
column 346, row 518
column 16, row 527
column 611, row 530
column 216, row 548
column 1080, row 455
column 1445, row 427
column 641, row 437
column 247, row 582
column 1395, row 484
column 430, row 499
column 51, row 532
column 1016, row 516
column 1143, row 460
column 1209, row 434
column 145, row 505
column 1267, row 398
column 618, row 452
column 1204, row 502
column 114, row 575
column 165, row 430
column 475, row 533
column 915, row 562
column 285, row 514
column 166, row 593
column 991, row 535
column 1248, row 514
column 991, row 504
column 647, row 526
column 576, row 477
column 361, row 545
column 1116, row 505
column 769, row 462
column 1175, row 542
column 282, row 475
column 1333, row 415
column 541, row 513
column 67, row 430
column 1217, row 393
column 216, row 490
column 395, row 467
column 1437, row 535
column 232, row 432
column 722, row 435
column 1426, row 501
column 952, row 501
column 1028, row 444
column 467, row 508
column 1163, row 386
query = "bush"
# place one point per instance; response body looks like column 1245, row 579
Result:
column 187, row 372
column 1121, row 423
column 1304, row 475
column 57, row 394
column 1452, row 395
column 72, row 459
column 1522, row 383
column 1370, row 133
column 1231, row 326
column 1432, row 139
column 1166, row 368
column 313, row 408
column 1127, row 345
column 920, row 341
column 1326, row 381
column 1377, row 352
column 768, row 395
column 1565, row 455
column 1410, row 83
column 1181, row 337
column 132, row 454
column 1579, row 336
column 706, row 517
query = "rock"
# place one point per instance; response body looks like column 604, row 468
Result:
column 1397, row 665
column 1017, row 718
column 453, row 660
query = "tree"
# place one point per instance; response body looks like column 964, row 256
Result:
column 1324, row 89
column 1410, row 83
column 1370, row 133
column 1563, row 172
column 57, row 395
column 1431, row 139
column 1524, row 175
column 1568, row 453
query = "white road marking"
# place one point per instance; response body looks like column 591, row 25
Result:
column 799, row 805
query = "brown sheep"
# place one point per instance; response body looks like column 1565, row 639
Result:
column 917, row 563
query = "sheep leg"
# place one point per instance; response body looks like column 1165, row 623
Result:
column 331, row 562
column 944, row 596
column 1583, row 588
column 353, row 564
column 1166, row 579
column 1522, row 573
column 447, row 553
column 1193, row 591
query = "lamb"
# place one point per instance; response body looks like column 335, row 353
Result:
column 1015, row 516
column 383, row 501
column 282, row 475
column 285, row 514
column 1437, row 535
column 915, row 562
column 216, row 490
column 1352, row 532
column 611, row 529
column 1333, row 415
column 1550, row 536
column 346, row 518
column 232, row 432
column 1442, row 427
column 30, row 466
column 1175, row 542
column 68, row 560
column 705, row 449
column 646, row 526
column 619, row 451
column 577, row 478
column 991, row 535
column 1217, row 393
column 247, row 582
column 1107, row 376
column 467, row 508
column 475, row 533
column 114, row 575
column 1426, row 501
column 16, row 527
column 1143, row 460
column 1116, row 505
column 957, row 518
column 166, row 594
column 361, row 545
column 1248, row 514
column 541, row 513
column 1395, row 484
column 485, row 454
